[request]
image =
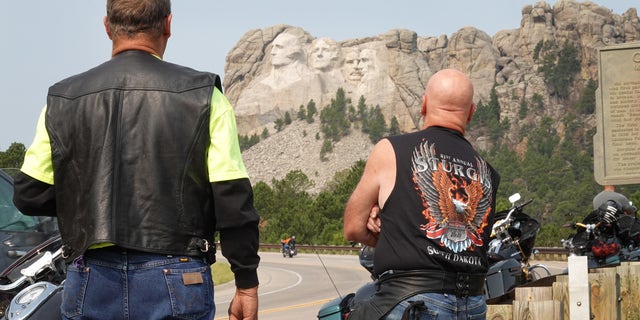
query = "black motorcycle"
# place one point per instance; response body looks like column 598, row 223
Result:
column 289, row 250
column 31, row 268
column 513, row 238
column 32, row 285
column 512, row 245
column 605, row 241
column 339, row 308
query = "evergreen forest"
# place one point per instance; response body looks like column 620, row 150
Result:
column 553, row 169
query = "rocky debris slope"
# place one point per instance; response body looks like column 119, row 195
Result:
column 277, row 69
column 296, row 148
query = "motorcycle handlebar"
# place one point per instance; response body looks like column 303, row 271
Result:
column 34, row 269
column 525, row 203
column 587, row 226
column 502, row 223
column 574, row 225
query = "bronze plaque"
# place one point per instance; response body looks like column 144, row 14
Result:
column 616, row 145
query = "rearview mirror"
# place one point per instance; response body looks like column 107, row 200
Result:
column 514, row 198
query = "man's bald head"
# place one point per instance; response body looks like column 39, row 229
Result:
column 448, row 100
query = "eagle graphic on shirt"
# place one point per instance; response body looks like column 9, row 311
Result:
column 456, row 196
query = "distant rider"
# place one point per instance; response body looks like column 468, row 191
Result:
column 288, row 243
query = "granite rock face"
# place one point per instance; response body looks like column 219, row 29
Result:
column 277, row 69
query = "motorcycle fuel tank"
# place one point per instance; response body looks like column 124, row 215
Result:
column 331, row 310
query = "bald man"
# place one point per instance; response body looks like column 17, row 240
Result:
column 426, row 202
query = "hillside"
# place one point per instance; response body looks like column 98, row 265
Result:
column 543, row 74
column 292, row 149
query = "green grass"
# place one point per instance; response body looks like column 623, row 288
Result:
column 221, row 273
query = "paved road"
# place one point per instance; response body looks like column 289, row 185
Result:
column 296, row 288
column 556, row 267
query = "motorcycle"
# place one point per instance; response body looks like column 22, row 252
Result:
column 339, row 308
column 34, row 283
column 289, row 250
column 603, row 242
column 31, row 267
column 513, row 238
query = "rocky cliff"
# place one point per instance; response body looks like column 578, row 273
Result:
column 277, row 69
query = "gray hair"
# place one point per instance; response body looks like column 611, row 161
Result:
column 131, row 17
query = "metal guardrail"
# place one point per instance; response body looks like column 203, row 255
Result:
column 314, row 248
column 551, row 253
column 543, row 253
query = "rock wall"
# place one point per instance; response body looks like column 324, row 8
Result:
column 277, row 69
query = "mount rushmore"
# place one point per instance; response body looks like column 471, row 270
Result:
column 274, row 70
column 277, row 69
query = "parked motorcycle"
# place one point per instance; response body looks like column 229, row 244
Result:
column 31, row 268
column 513, row 237
column 339, row 308
column 33, row 284
column 603, row 240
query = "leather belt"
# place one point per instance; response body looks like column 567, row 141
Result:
column 435, row 281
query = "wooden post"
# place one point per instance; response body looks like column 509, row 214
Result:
column 579, row 293
column 629, row 290
column 604, row 285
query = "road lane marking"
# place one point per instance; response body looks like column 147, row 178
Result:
column 297, row 306
column 298, row 281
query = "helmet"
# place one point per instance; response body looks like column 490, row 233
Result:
column 293, row 237
column 622, row 202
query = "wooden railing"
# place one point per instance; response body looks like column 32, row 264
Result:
column 611, row 292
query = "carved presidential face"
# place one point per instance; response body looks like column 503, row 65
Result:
column 352, row 68
column 367, row 58
column 324, row 54
column 285, row 49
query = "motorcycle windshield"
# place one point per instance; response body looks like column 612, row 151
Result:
column 19, row 233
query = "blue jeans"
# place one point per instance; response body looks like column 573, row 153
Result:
column 115, row 283
column 442, row 306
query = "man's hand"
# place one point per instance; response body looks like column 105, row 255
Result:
column 373, row 223
column 244, row 305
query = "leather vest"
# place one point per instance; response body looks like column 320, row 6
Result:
column 129, row 142
column 436, row 170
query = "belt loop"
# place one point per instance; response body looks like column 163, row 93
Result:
column 66, row 251
column 79, row 262
column 206, row 246
column 200, row 244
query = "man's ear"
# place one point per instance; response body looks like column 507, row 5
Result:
column 423, row 109
column 106, row 27
column 167, row 26
column 472, row 110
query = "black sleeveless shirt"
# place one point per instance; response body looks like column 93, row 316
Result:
column 439, row 213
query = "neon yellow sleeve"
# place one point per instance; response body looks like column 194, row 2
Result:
column 224, row 159
column 37, row 161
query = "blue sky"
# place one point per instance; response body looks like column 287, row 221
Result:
column 44, row 41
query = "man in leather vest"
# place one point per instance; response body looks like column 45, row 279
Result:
column 425, row 202
column 139, row 160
